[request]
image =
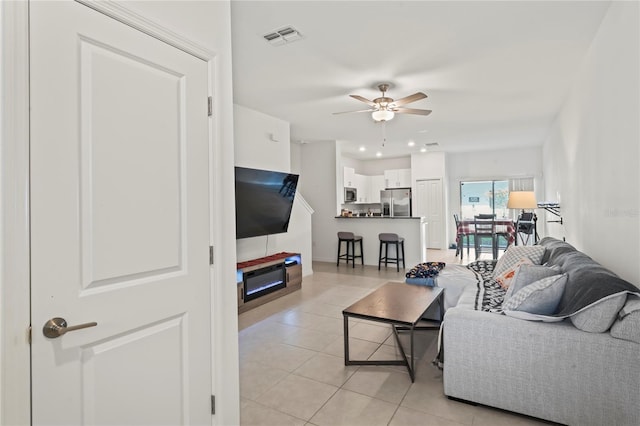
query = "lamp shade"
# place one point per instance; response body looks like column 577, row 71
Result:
column 382, row 115
column 522, row 200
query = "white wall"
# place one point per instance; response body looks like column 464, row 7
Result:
column 203, row 23
column 319, row 164
column 591, row 157
column 498, row 165
column 262, row 142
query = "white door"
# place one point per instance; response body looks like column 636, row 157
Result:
column 430, row 205
column 119, row 222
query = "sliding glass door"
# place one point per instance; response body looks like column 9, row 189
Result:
column 484, row 197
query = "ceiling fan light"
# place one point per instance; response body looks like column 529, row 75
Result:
column 382, row 115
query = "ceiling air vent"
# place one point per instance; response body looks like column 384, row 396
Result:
column 282, row 36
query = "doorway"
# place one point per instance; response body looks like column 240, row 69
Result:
column 484, row 197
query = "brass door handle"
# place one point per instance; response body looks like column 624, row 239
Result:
column 56, row 327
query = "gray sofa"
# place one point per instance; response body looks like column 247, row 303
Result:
column 549, row 370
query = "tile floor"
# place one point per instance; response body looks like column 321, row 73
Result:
column 292, row 368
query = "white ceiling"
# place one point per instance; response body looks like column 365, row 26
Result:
column 496, row 73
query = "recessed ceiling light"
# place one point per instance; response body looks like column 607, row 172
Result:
column 422, row 131
column 378, row 154
column 362, row 149
column 423, row 149
column 411, row 143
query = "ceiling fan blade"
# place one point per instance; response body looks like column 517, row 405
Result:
column 349, row 112
column 365, row 100
column 409, row 99
column 412, row 111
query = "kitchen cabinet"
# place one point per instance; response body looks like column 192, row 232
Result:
column 397, row 178
column 349, row 180
column 362, row 185
column 376, row 184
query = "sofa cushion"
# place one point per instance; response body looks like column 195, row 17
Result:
column 513, row 254
column 627, row 326
column 599, row 316
column 506, row 277
column 528, row 274
column 541, row 297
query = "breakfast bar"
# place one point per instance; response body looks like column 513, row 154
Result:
column 412, row 229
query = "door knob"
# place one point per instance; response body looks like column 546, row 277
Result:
column 56, row 327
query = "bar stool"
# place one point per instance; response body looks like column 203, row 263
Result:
column 350, row 239
column 398, row 242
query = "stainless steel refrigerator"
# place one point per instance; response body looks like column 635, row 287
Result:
column 396, row 202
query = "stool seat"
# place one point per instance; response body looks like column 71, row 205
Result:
column 350, row 239
column 386, row 239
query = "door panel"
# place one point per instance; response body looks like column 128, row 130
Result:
column 153, row 230
column 119, row 223
column 430, row 205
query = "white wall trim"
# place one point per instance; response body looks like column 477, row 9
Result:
column 304, row 203
column 14, row 224
column 126, row 16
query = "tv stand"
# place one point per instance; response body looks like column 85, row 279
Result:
column 267, row 278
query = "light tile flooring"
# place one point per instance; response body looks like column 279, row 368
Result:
column 292, row 368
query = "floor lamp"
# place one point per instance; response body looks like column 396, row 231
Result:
column 524, row 200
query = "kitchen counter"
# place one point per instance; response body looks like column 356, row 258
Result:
column 413, row 231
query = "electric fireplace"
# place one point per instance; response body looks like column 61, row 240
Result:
column 264, row 281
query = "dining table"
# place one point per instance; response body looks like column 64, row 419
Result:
column 504, row 226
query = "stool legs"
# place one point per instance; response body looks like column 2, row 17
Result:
column 351, row 252
column 399, row 246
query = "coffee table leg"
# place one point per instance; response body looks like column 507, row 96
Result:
column 412, row 370
column 346, row 339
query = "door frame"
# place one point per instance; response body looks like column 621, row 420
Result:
column 15, row 351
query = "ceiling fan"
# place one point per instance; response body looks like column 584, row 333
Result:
column 384, row 108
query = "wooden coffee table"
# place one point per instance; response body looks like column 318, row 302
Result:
column 399, row 304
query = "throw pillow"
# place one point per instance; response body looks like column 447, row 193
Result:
column 428, row 281
column 528, row 274
column 514, row 253
column 542, row 297
column 627, row 326
column 505, row 278
column 600, row 315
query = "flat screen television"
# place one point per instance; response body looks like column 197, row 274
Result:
column 264, row 199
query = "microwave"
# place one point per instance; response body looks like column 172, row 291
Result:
column 350, row 195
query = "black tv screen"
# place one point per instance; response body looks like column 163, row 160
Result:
column 264, row 199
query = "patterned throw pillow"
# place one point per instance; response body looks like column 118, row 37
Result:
column 514, row 253
column 505, row 278
column 528, row 274
column 542, row 297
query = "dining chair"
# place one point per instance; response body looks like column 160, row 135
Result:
column 485, row 229
column 460, row 237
